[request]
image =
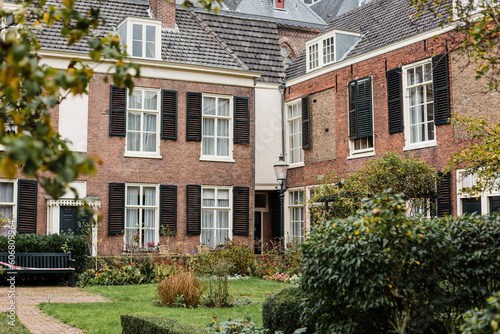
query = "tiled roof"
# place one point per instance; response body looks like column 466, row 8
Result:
column 296, row 13
column 380, row 23
column 327, row 9
column 254, row 42
column 190, row 44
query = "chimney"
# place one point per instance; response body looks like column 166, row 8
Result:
column 164, row 10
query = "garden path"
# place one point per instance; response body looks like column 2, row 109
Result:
column 27, row 299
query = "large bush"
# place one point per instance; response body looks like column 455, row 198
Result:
column 183, row 289
column 281, row 309
column 148, row 323
column 382, row 271
column 52, row 243
column 239, row 258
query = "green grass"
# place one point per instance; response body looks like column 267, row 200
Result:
column 5, row 327
column 105, row 317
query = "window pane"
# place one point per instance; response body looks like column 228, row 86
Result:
column 134, row 121
column 136, row 49
column 223, row 128
column 149, row 218
column 222, row 219
column 133, row 195
column 208, row 146
column 207, row 238
column 223, row 108
column 429, row 93
column 430, row 126
column 150, row 33
column 149, row 236
column 428, row 72
column 208, row 126
column 223, row 198
column 150, row 100
column 137, row 32
column 222, row 235
column 149, row 122
column 149, row 196
column 411, row 77
column 223, row 147
column 135, row 100
column 7, row 192
column 134, row 141
column 6, row 211
column 132, row 218
column 418, row 74
column 150, row 50
column 209, row 106
column 207, row 219
column 149, row 142
column 209, row 197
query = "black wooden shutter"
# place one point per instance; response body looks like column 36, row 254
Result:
column 168, row 211
column 364, row 108
column 394, row 100
column 351, row 92
column 306, row 123
column 193, row 209
column 168, row 114
column 443, row 206
column 241, row 197
column 242, row 120
column 117, row 111
column 116, row 209
column 440, row 83
column 193, row 132
column 26, row 206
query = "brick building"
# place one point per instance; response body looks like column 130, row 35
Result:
column 376, row 80
column 179, row 153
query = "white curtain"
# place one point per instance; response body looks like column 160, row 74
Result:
column 6, row 192
column 208, row 136
column 209, row 197
column 207, row 228
column 149, row 132
column 209, row 106
column 133, row 134
column 137, row 40
column 150, row 100
column 223, row 198
column 150, row 41
column 223, row 107
column 135, row 100
column 223, row 137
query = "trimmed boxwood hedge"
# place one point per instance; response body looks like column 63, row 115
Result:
column 155, row 324
column 52, row 243
column 281, row 311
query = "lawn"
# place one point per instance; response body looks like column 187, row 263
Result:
column 5, row 327
column 105, row 317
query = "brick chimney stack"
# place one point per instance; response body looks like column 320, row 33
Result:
column 164, row 10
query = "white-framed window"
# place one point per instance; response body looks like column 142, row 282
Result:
column 418, row 207
column 294, row 151
column 360, row 120
column 143, row 123
column 420, row 130
column 142, row 37
column 217, row 128
column 142, row 214
column 216, row 215
column 483, row 204
column 296, row 215
column 328, row 50
column 8, row 198
column 313, row 56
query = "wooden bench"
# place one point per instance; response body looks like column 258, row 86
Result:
column 32, row 263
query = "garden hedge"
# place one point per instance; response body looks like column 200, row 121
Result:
column 281, row 310
column 52, row 243
column 155, row 324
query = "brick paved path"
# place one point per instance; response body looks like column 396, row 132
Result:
column 27, row 299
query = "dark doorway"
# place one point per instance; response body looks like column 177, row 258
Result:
column 257, row 232
column 69, row 220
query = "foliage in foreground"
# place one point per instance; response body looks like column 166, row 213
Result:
column 485, row 321
column 236, row 326
column 383, row 271
column 281, row 309
column 19, row 328
column 148, row 323
column 409, row 176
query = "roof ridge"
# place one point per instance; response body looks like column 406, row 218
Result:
column 226, row 48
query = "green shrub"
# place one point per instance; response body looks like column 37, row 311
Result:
column 131, row 274
column 281, row 311
column 485, row 321
column 244, row 326
column 182, row 290
column 382, row 271
column 52, row 243
column 149, row 323
column 240, row 258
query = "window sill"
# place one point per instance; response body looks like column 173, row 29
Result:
column 216, row 159
column 139, row 155
column 361, row 155
column 418, row 146
column 296, row 165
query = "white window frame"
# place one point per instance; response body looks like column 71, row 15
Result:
column 206, row 157
column 364, row 152
column 288, row 215
column 140, row 207
column 406, row 108
column 157, row 112
column 288, row 148
column 215, row 208
column 15, row 195
column 484, row 198
column 130, row 21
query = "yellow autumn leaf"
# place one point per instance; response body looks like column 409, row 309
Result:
column 8, row 167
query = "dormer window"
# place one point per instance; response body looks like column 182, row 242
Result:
column 279, row 4
column 142, row 37
column 329, row 48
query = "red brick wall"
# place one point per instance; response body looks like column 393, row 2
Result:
column 165, row 11
column 376, row 67
column 296, row 37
